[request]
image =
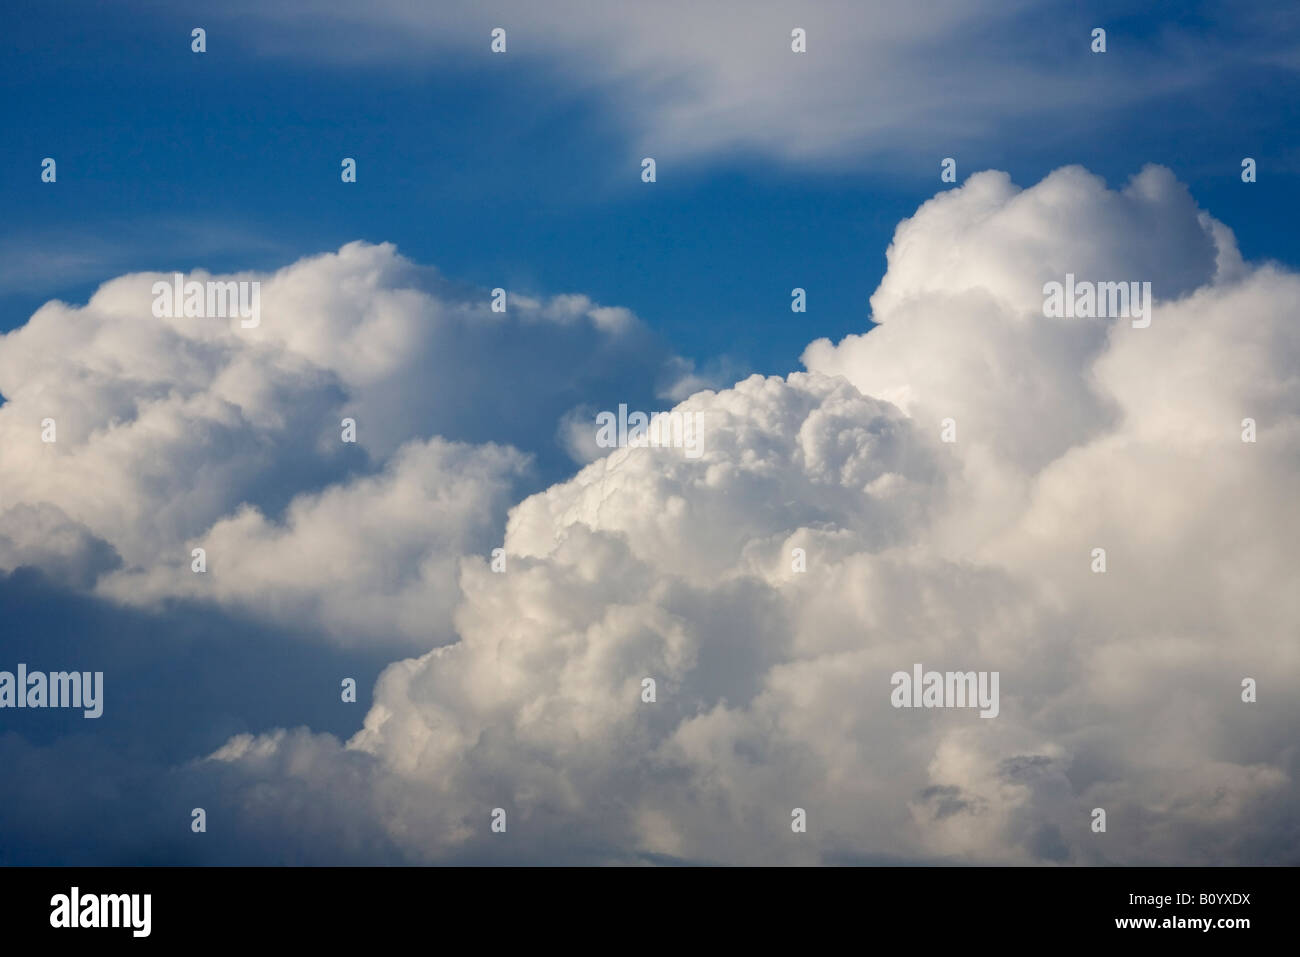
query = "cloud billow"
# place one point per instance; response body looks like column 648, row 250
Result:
column 1119, row 690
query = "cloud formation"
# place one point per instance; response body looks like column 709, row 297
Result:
column 689, row 79
column 1119, row 690
column 772, row 683
column 176, row 433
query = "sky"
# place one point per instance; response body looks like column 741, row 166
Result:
column 522, row 170
column 520, row 689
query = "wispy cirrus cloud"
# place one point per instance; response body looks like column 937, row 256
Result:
column 688, row 80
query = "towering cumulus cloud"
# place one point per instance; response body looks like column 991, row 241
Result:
column 934, row 491
column 181, row 432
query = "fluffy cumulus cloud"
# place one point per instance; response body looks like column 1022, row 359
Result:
column 1120, row 691
column 821, row 536
column 178, row 433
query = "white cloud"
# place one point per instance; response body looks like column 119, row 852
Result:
column 385, row 548
column 176, row 433
column 687, row 79
column 1119, row 691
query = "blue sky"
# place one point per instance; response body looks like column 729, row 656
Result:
column 496, row 172
column 523, row 171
